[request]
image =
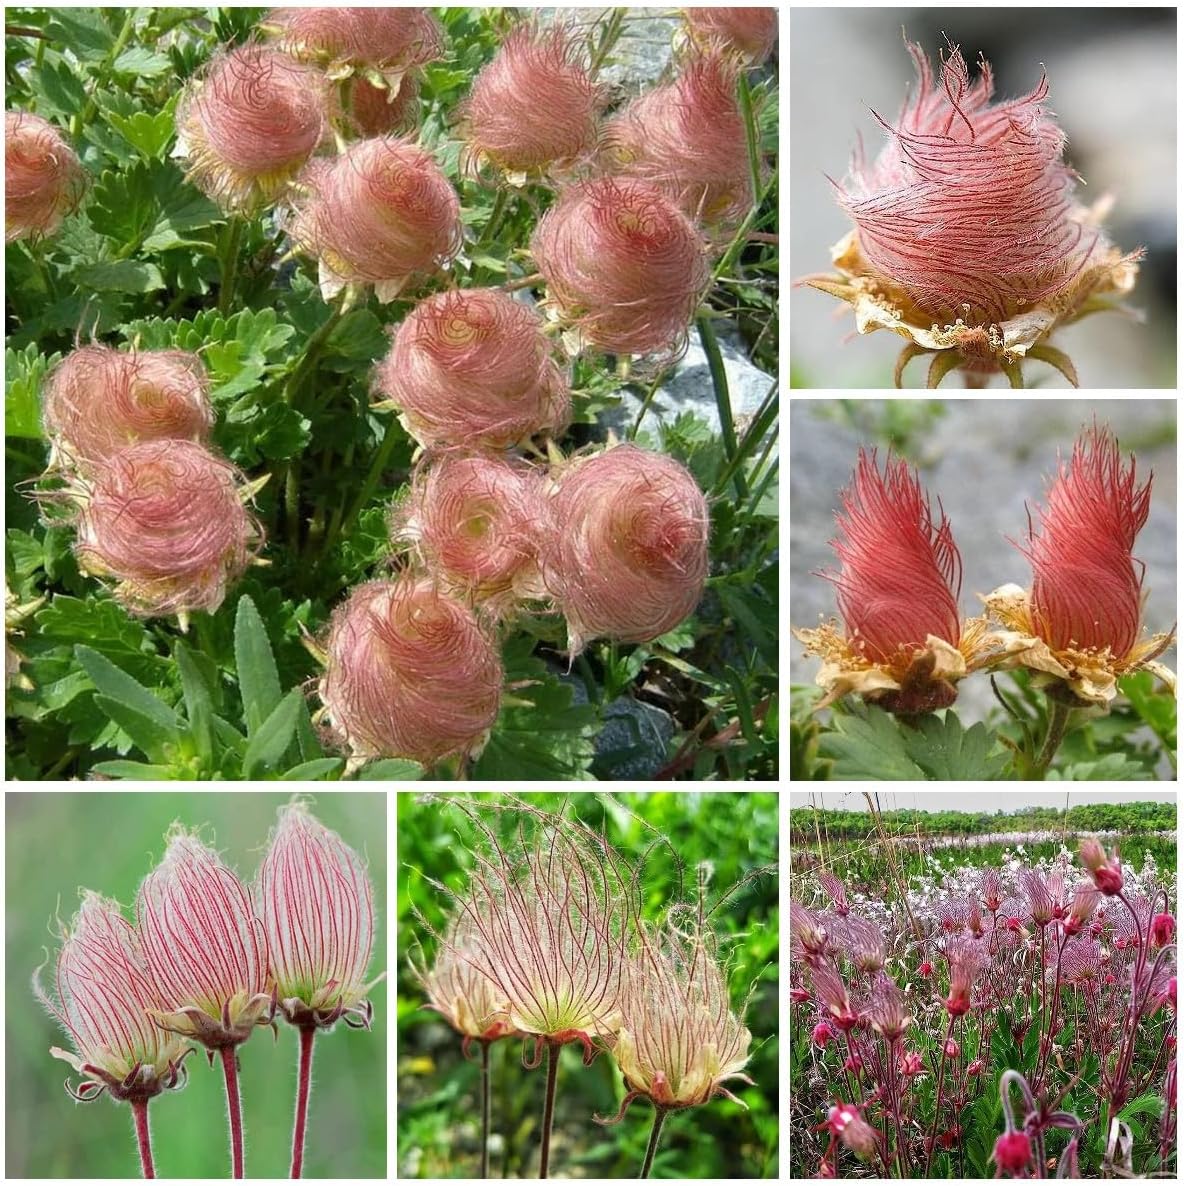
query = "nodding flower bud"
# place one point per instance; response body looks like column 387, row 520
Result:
column 474, row 522
column 687, row 138
column 624, row 267
column 166, row 521
column 1013, row 1152
column 951, row 1049
column 533, row 106
column 384, row 39
column 1106, row 871
column 410, row 673
column 1163, row 927
column 822, row 1034
column 43, row 178
column 845, row 1122
column 911, row 1063
column 472, row 368
column 98, row 400
column 751, row 32
column 626, row 553
column 249, row 124
column 380, row 213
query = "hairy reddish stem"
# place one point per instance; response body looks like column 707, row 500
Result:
column 549, row 1106
column 230, row 1070
column 655, row 1133
column 303, row 1083
column 485, row 1109
column 143, row 1137
column 941, row 1074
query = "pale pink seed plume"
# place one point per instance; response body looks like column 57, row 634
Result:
column 381, row 110
column 472, row 367
column 751, row 32
column 687, row 137
column 475, row 522
column 900, row 571
column 43, row 178
column 249, row 124
column 314, row 895
column 1086, row 590
column 381, row 38
column 969, row 207
column 103, row 996
column 534, row 105
column 380, row 213
column 203, row 945
column 623, row 265
column 626, row 553
column 98, row 400
column 166, row 521
column 410, row 673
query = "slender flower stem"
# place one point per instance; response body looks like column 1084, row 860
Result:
column 230, row 1069
column 655, row 1133
column 1058, row 718
column 485, row 1109
column 549, row 1106
column 723, row 403
column 229, row 254
column 304, row 1082
column 941, row 1074
column 143, row 1137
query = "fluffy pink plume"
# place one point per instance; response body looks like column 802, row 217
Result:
column 380, row 213
column 43, row 178
column 381, row 38
column 249, row 124
column 751, row 32
column 472, row 367
column 900, row 571
column 98, row 400
column 534, row 105
column 379, row 110
column 1086, row 592
column 622, row 264
column 626, row 550
column 410, row 672
column 165, row 520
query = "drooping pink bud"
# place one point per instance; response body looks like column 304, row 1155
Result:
column 751, row 32
column 249, row 125
column 623, row 265
column 380, row 38
column 472, row 368
column 626, row 553
column 822, row 1034
column 410, row 672
column 976, row 1068
column 165, row 520
column 847, row 1123
column 43, row 178
column 98, row 400
column 533, row 106
column 1163, row 927
column 911, row 1063
column 1013, row 1152
column 951, row 1049
column 1106, row 871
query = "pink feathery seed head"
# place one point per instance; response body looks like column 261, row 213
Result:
column 969, row 207
column 966, row 962
column 380, row 110
column 534, row 105
column 165, row 520
column 380, row 213
column 410, row 672
column 626, row 553
column 43, row 178
column 380, row 38
column 889, row 1010
column 832, row 994
column 314, row 896
column 249, row 124
column 807, row 934
column 1106, row 871
column 901, row 572
column 98, row 400
column 687, row 137
column 623, row 265
column 474, row 521
column 836, row 891
column 473, row 368
column 992, row 887
column 203, row 945
column 751, row 32
column 1081, row 908
column 1086, row 592
column 103, row 996
column 864, row 942
column 1040, row 902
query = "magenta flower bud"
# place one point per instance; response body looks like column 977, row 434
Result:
column 626, row 556
column 1013, row 1152
column 750, row 32
column 976, row 1068
column 822, row 1034
column 43, row 178
column 846, row 1122
column 911, row 1063
column 1106, row 871
column 1163, row 928
column 952, row 1049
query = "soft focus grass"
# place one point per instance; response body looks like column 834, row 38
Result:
column 56, row 843
column 439, row 1121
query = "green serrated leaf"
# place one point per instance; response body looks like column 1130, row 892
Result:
column 258, row 679
column 149, row 736
column 199, row 708
column 106, row 627
column 1112, row 766
column 867, row 743
column 142, row 62
column 269, row 743
column 949, row 753
column 390, row 770
column 148, row 132
column 115, row 683
column 120, row 275
column 24, row 372
column 123, row 768
column 318, row 768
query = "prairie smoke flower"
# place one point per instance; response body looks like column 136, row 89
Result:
column 165, row 520
column 1081, row 909
column 968, row 241
column 687, row 138
column 897, row 590
column 382, row 39
column 836, row 891
column 473, row 368
column 807, row 934
column 98, row 400
column 1013, row 1152
column 889, row 1010
column 410, row 673
column 43, row 178
column 1039, row 900
column 626, row 553
column 249, row 124
column 864, row 942
column 1163, row 927
column 625, row 268
column 473, row 521
column 966, row 962
column 992, row 887
column 533, row 107
column 832, row 994
column 750, row 32
column 822, row 1034
column 1106, row 871
column 380, row 213
column 911, row 1063
column 846, row 1123
column 1079, row 627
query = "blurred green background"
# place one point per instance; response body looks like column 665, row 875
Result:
column 439, row 1111
column 56, row 843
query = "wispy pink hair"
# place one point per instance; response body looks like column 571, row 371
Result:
column 900, row 572
column 1086, row 592
column 748, row 31
column 43, row 178
column 380, row 110
column 382, row 38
